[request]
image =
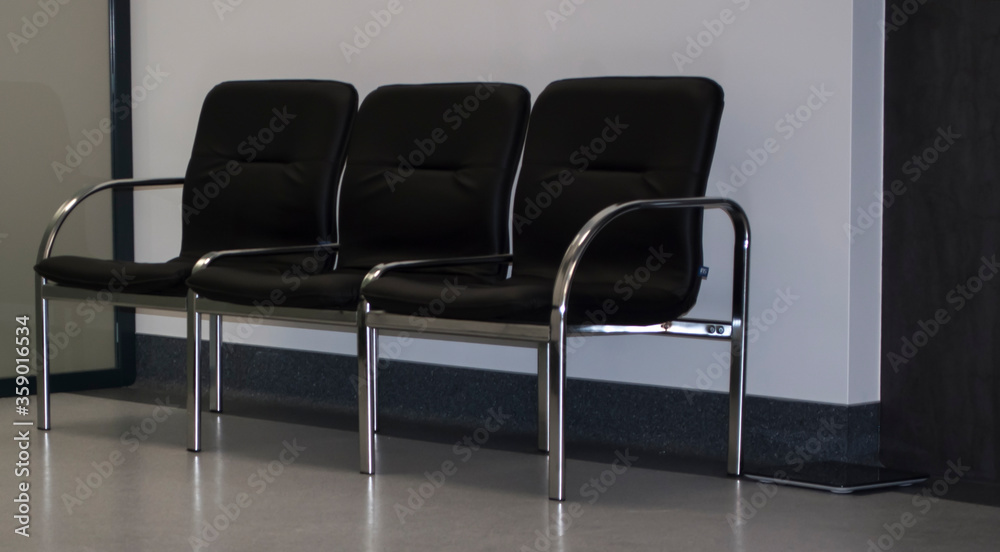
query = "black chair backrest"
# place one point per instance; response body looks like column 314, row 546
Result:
column 430, row 171
column 599, row 141
column 266, row 161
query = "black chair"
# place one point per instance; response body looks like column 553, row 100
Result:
column 616, row 168
column 263, row 172
column 429, row 174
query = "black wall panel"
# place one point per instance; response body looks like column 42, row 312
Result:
column 941, row 277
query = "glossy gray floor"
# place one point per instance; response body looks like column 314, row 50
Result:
column 114, row 475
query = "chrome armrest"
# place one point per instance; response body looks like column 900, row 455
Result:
column 49, row 239
column 741, row 256
column 379, row 270
column 209, row 258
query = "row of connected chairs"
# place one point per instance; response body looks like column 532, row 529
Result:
column 416, row 236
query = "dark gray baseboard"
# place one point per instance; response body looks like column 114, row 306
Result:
column 675, row 422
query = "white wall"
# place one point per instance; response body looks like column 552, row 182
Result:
column 866, row 196
column 770, row 59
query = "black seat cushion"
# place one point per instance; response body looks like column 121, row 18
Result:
column 522, row 299
column 266, row 284
column 264, row 168
column 118, row 276
column 593, row 143
column 421, row 181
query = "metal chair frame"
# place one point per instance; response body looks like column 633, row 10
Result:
column 550, row 339
column 45, row 292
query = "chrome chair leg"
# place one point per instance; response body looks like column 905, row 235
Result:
column 738, row 343
column 543, row 397
column 373, row 378
column 42, row 350
column 215, row 363
column 193, row 374
column 557, row 389
column 737, row 391
column 367, row 366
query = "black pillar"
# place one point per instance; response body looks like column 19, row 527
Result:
column 941, row 287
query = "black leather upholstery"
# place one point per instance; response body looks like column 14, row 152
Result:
column 456, row 202
column 593, row 143
column 267, row 284
column 263, row 172
column 102, row 274
column 521, row 298
column 429, row 174
column 286, row 188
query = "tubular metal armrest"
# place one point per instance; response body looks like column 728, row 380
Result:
column 72, row 203
column 209, row 258
column 379, row 270
column 41, row 304
column 574, row 253
column 558, row 331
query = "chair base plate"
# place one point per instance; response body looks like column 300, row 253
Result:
column 835, row 477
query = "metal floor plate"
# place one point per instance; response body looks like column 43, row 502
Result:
column 836, row 477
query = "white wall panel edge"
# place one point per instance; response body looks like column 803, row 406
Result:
column 866, row 199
